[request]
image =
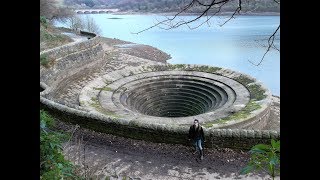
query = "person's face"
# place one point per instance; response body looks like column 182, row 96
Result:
column 196, row 123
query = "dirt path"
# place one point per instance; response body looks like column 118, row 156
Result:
column 103, row 156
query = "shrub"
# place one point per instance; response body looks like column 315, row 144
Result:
column 43, row 21
column 44, row 60
column 53, row 165
column 266, row 158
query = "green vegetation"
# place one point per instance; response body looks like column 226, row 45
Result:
column 244, row 80
column 256, row 91
column 243, row 113
column 44, row 61
column 177, row 66
column 50, row 37
column 53, row 165
column 207, row 69
column 185, row 67
column 43, row 21
column 264, row 157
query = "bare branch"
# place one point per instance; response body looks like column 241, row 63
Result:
column 170, row 24
column 168, row 19
column 191, row 4
column 236, row 11
column 270, row 45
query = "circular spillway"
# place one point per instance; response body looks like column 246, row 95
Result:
column 176, row 95
column 173, row 95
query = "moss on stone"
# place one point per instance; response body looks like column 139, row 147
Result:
column 176, row 66
column 256, row 92
column 207, row 69
column 244, row 113
column 244, row 80
column 159, row 68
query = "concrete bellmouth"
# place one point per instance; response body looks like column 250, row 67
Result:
column 176, row 95
column 169, row 95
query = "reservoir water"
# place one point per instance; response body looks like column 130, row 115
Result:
column 231, row 46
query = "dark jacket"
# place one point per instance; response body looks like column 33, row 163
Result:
column 196, row 133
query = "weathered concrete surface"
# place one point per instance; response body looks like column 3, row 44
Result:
column 274, row 118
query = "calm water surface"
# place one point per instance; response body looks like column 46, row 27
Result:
column 230, row 46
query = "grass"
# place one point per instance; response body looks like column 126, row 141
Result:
column 244, row 113
column 50, row 39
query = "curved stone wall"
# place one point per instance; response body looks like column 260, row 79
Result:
column 231, row 138
column 65, row 59
column 176, row 95
column 158, row 103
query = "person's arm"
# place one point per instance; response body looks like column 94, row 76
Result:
column 190, row 133
column 202, row 134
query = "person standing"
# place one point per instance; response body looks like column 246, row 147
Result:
column 197, row 135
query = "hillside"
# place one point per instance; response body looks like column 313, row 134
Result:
column 51, row 37
column 160, row 6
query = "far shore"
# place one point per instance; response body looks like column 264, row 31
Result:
column 195, row 14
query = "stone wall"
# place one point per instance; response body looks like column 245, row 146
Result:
column 255, row 122
column 65, row 58
column 230, row 138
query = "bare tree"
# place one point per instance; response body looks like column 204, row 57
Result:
column 75, row 23
column 211, row 8
column 88, row 24
column 51, row 9
column 91, row 25
column 47, row 7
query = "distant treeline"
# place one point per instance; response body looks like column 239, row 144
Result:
column 159, row 6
